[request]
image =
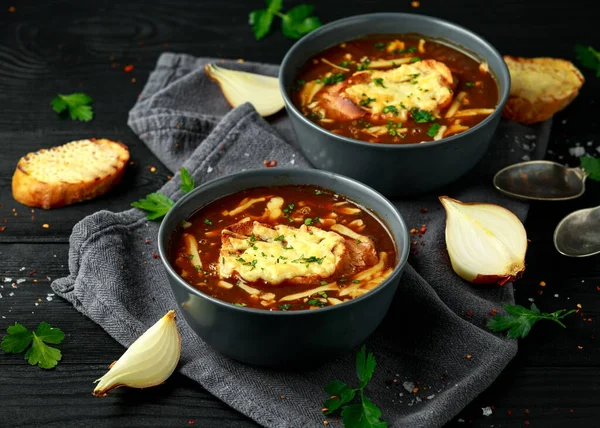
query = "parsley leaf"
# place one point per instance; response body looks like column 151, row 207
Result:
column 294, row 24
column 433, row 130
column 76, row 104
column 18, row 338
column 390, row 109
column 378, row 81
column 591, row 166
column 156, row 204
column 187, row 181
column 519, row 320
column 298, row 21
column 588, row 57
column 359, row 415
column 421, row 116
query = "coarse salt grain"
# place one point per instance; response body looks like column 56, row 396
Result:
column 22, row 269
column 49, row 298
column 556, row 295
column 530, row 299
column 487, row 411
column 409, row 386
column 577, row 151
column 11, row 294
column 7, row 279
column 21, row 280
column 431, row 396
column 526, row 158
column 209, row 169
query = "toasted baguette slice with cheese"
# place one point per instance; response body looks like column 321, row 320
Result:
column 73, row 172
column 540, row 87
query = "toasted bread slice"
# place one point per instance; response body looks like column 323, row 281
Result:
column 540, row 87
column 70, row 173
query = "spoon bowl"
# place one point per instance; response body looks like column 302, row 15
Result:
column 578, row 234
column 540, row 181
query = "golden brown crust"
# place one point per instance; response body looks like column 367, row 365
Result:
column 56, row 192
column 540, row 87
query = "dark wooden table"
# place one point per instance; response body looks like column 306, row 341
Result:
column 67, row 46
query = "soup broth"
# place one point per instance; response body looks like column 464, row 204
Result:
column 395, row 90
column 283, row 248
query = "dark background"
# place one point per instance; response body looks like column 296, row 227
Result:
column 48, row 47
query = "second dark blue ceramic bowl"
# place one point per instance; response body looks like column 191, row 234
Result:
column 394, row 169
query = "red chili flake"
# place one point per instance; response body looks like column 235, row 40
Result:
column 132, row 163
column 155, row 256
column 579, row 305
column 413, row 231
column 526, row 411
column 128, row 68
column 191, row 422
column 415, row 3
column 33, row 272
column 325, row 422
column 597, row 286
column 542, row 283
column 147, row 241
column 4, row 219
column 469, row 313
column 423, row 210
column 526, row 422
column 2, row 228
column 589, row 320
column 579, row 347
column 283, row 397
column 32, row 218
column 133, row 80
column 509, row 412
column 444, row 378
column 423, row 229
column 121, row 267
column 415, row 390
column 45, row 225
column 12, row 9
column 469, row 356
column 571, row 411
column 493, row 312
column 270, row 164
column 540, row 292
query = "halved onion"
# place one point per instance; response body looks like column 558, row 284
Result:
column 486, row 242
column 149, row 361
column 240, row 87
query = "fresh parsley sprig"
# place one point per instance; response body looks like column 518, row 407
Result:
column 588, row 57
column 519, row 320
column 158, row 205
column 591, row 166
column 297, row 22
column 359, row 415
column 76, row 104
column 18, row 338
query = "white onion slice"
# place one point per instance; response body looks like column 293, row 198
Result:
column 149, row 361
column 486, row 242
column 240, row 87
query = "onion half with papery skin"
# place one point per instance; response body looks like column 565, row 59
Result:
column 486, row 242
column 240, row 87
column 149, row 361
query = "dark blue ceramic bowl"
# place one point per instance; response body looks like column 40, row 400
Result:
column 400, row 169
column 283, row 339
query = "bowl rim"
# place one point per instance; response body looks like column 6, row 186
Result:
column 164, row 236
column 501, row 73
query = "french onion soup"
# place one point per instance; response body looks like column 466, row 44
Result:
column 283, row 248
column 395, row 90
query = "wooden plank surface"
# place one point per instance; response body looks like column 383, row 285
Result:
column 66, row 46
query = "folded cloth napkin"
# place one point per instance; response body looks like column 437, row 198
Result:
column 434, row 353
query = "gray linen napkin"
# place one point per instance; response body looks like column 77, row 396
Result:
column 433, row 351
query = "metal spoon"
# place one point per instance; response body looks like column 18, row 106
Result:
column 578, row 234
column 541, row 181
